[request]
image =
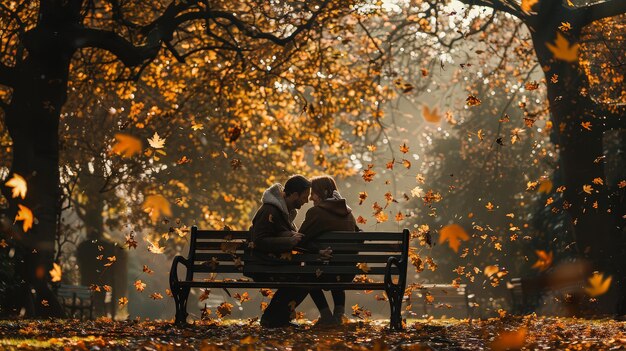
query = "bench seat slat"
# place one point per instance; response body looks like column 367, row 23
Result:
column 378, row 236
column 295, row 269
column 365, row 247
column 222, row 234
column 356, row 258
column 273, row 285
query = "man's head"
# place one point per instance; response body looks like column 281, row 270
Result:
column 297, row 191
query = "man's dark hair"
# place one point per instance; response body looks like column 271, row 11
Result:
column 296, row 184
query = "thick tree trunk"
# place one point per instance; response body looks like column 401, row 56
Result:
column 599, row 235
column 32, row 119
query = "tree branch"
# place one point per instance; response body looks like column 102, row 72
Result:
column 499, row 5
column 124, row 50
column 602, row 10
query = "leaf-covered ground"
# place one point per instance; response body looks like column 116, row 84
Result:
column 528, row 332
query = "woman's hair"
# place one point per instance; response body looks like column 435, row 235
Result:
column 323, row 186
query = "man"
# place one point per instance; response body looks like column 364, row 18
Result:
column 273, row 233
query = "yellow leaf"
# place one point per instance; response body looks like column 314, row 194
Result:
column 156, row 206
column 156, row 141
column 453, row 233
column 587, row 188
column 598, row 285
column 364, row 267
column 123, row 301
column 544, row 260
column 26, row 215
column 139, row 285
column 562, row 50
column 491, row 270
column 510, row 340
column 545, row 187
column 18, row 184
column 527, row 5
column 127, row 145
column 55, row 272
column 153, row 246
column 404, row 148
column 431, row 116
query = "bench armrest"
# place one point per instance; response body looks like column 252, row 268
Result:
column 174, row 270
column 390, row 262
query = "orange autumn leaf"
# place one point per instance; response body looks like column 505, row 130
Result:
column 361, row 220
column 139, row 285
column 491, row 270
column 156, row 206
column 404, row 148
column 598, row 285
column 362, row 197
column 544, row 260
column 510, row 340
column 527, row 5
column 431, row 116
column 26, row 215
column 368, row 174
column 587, row 188
column 224, row 309
column 126, row 146
column 55, row 272
column 381, row 217
column 406, row 163
column 153, row 246
column 545, row 186
column 18, row 183
column 364, row 267
column 472, row 101
column 454, row 234
column 399, row 217
column 156, row 296
column 122, row 301
column 562, row 50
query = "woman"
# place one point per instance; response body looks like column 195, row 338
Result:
column 329, row 213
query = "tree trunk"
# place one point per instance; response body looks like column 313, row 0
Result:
column 598, row 234
column 32, row 119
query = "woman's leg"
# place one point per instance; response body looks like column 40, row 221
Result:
column 322, row 305
column 339, row 301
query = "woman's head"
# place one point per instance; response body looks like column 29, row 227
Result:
column 322, row 187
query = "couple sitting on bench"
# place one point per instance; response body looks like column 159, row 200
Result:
column 274, row 236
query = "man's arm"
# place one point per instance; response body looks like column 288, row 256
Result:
column 264, row 233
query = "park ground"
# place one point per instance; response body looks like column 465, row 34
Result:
column 509, row 332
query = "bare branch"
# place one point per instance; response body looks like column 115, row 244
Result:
column 602, row 10
column 499, row 5
column 128, row 53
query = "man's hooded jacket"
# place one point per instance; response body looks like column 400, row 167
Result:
column 272, row 225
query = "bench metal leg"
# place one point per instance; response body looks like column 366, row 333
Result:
column 180, row 300
column 395, row 305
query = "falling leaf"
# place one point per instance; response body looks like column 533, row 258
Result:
column 404, row 148
column 489, row 206
column 598, row 181
column 406, row 164
column 123, row 301
column 155, row 206
column 473, row 101
column 586, row 125
column 55, row 272
column 147, row 270
column 126, row 146
column 111, row 260
column 565, row 26
column 416, row 192
column 18, row 183
column 224, row 309
column 530, row 86
column 454, row 233
column 545, row 186
column 399, row 217
column 431, row 116
column 587, row 188
column 197, row 126
column 362, row 197
column 491, row 270
column 544, row 260
column 156, row 296
column 598, row 285
column 390, row 164
column 527, row 5
column 156, row 141
column 154, row 247
column 139, row 285
column 26, row 215
column 510, row 340
column 371, row 148
column 368, row 174
column 361, row 220
column 562, row 49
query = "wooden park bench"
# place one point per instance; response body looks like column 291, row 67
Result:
column 77, row 300
column 446, row 299
column 225, row 252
